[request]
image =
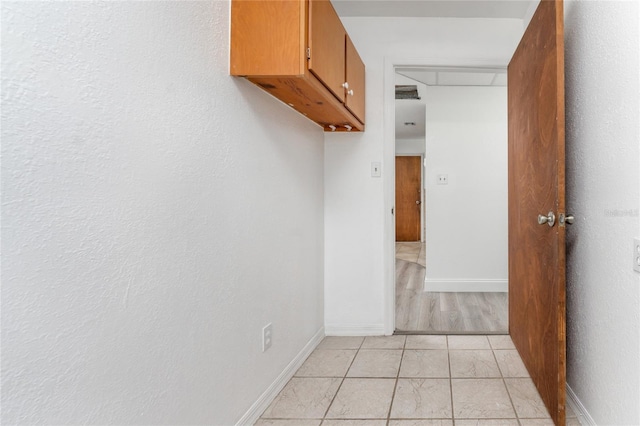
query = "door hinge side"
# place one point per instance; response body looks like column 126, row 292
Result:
column 308, row 53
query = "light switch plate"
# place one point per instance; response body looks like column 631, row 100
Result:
column 376, row 169
column 636, row 254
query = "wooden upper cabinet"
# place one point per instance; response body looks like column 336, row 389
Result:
column 299, row 51
column 259, row 46
column 327, row 46
column 355, row 79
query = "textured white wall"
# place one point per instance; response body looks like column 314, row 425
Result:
column 357, row 221
column 603, row 163
column 156, row 213
column 466, row 230
column 410, row 146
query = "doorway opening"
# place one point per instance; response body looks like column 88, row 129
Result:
column 451, row 269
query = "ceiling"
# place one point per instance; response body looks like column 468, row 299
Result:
column 456, row 76
column 413, row 111
column 410, row 111
column 514, row 9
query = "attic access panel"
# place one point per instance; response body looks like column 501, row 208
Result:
column 407, row 92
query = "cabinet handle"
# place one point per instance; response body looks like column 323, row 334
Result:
column 350, row 92
column 345, row 85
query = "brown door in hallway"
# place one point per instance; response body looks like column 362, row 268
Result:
column 408, row 181
column 537, row 187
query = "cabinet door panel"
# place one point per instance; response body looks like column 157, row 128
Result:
column 355, row 77
column 327, row 44
column 258, row 47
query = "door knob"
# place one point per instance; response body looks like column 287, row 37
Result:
column 550, row 219
column 418, row 202
column 565, row 219
column 350, row 92
column 345, row 85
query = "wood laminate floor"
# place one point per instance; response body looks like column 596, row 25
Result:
column 418, row 311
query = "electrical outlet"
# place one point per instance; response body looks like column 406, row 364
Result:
column 443, row 179
column 267, row 337
column 636, row 254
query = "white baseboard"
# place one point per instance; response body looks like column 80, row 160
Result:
column 354, row 330
column 584, row 417
column 465, row 285
column 253, row 414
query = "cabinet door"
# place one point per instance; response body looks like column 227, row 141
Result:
column 327, row 46
column 268, row 37
column 355, row 77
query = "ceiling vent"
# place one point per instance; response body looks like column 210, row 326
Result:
column 407, row 92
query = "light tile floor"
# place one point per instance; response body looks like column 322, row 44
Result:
column 411, row 252
column 411, row 381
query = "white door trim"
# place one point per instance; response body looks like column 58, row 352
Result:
column 388, row 152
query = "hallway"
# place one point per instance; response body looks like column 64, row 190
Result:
column 411, row 380
column 439, row 312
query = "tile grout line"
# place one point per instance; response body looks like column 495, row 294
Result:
column 453, row 418
column 395, row 386
column 504, row 382
column 324, row 417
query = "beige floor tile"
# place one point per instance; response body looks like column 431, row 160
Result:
column 376, row 363
column 526, row 399
column 473, row 364
column 282, row 422
column 384, row 342
column 421, row 422
column 510, row 363
column 327, row 363
column 537, row 422
column 426, row 342
column 481, row 399
column 409, row 257
column 362, row 399
column 354, row 423
column 487, row 422
column 408, row 247
column 573, row 421
column 468, row 342
column 425, row 363
column 303, row 398
column 341, row 342
column 422, row 399
column 501, row 342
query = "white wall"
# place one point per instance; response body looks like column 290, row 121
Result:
column 156, row 214
column 466, row 220
column 410, row 146
column 359, row 226
column 603, row 162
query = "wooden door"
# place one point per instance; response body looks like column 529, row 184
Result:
column 355, row 77
column 327, row 46
column 408, row 198
column 537, row 186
